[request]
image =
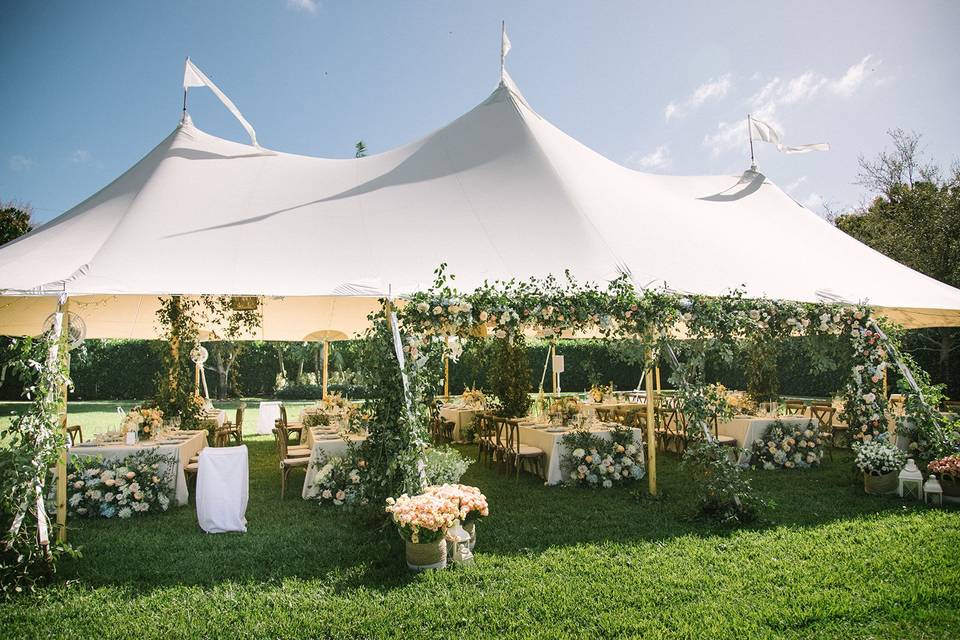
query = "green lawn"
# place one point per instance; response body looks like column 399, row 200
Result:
column 552, row 562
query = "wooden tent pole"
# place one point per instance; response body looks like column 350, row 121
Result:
column 553, row 372
column 651, row 435
column 446, row 369
column 326, row 359
column 64, row 355
column 657, row 378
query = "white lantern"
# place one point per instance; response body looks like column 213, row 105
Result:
column 910, row 481
column 933, row 492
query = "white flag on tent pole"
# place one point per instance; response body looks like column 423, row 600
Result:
column 504, row 50
column 193, row 77
column 766, row 133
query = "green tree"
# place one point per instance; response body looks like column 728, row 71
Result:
column 914, row 218
column 15, row 220
column 361, row 149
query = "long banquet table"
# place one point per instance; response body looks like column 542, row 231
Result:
column 181, row 446
column 326, row 444
column 551, row 442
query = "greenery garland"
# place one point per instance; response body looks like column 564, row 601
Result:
column 645, row 319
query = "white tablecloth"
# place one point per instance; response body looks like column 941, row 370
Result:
column 267, row 417
column 550, row 443
column 181, row 452
column 313, row 437
column 461, row 419
column 747, row 429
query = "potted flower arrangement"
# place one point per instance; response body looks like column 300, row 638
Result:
column 948, row 471
column 880, row 462
column 474, row 398
column 422, row 521
column 144, row 421
column 599, row 392
column 469, row 503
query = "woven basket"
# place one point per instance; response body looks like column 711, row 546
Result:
column 951, row 485
column 471, row 528
column 430, row 555
column 880, row 485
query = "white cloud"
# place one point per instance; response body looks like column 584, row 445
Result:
column 790, row 188
column 766, row 102
column 814, row 202
column 309, row 6
column 659, row 158
column 80, row 156
column 21, row 163
column 713, row 89
column 853, row 79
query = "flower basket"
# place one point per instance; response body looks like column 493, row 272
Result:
column 428, row 555
column 950, row 484
column 880, row 485
column 471, row 528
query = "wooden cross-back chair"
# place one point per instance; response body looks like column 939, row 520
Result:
column 516, row 454
column 294, row 428
column 486, row 438
column 232, row 429
column 823, row 414
column 795, row 407
column 288, row 462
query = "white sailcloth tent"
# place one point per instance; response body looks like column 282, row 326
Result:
column 496, row 194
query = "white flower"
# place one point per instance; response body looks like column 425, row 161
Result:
column 125, row 512
column 437, row 310
column 607, row 484
column 423, row 307
column 483, row 316
column 578, row 453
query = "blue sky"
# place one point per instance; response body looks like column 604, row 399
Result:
column 92, row 87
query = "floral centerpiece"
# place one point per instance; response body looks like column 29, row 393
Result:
column 741, row 403
column 473, row 398
column 336, row 403
column 469, row 502
column 564, row 410
column 120, row 488
column 593, row 461
column 422, row 522
column 879, row 461
column 947, row 470
column 316, row 418
column 144, row 421
column 599, row 391
column 788, row 446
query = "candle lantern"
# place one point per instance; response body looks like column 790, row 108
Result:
column 910, row 481
column 459, row 539
column 933, row 492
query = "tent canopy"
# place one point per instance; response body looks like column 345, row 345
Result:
column 498, row 193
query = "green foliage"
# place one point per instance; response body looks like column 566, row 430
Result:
column 726, row 493
column 32, row 445
column 14, row 221
column 509, row 375
column 763, row 382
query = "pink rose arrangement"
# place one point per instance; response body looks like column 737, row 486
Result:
column 468, row 501
column 949, row 466
column 423, row 518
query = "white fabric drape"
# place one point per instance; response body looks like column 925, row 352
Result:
column 766, row 133
column 222, row 489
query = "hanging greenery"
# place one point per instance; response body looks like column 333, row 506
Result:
column 652, row 321
column 509, row 375
column 28, row 551
column 181, row 319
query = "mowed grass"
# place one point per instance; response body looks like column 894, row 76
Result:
column 828, row 562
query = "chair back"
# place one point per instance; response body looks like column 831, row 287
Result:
column 75, row 433
column 282, row 438
column 795, row 407
column 604, row 415
column 239, row 421
column 501, row 438
column 667, row 417
column 283, row 415
column 512, row 433
column 823, row 414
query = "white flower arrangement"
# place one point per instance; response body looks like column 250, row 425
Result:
column 788, row 445
column 598, row 462
column 878, row 457
column 119, row 488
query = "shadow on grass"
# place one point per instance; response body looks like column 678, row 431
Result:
column 294, row 540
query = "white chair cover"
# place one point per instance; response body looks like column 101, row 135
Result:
column 222, row 489
column 267, row 416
